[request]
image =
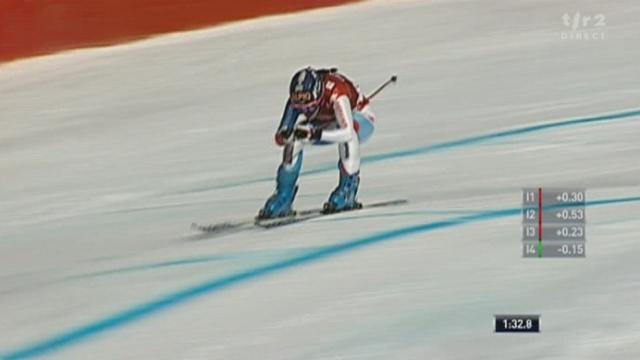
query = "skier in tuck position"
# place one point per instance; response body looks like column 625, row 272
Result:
column 324, row 107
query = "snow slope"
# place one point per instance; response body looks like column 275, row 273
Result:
column 107, row 155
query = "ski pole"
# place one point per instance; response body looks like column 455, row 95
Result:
column 393, row 79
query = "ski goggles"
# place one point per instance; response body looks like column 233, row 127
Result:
column 308, row 107
column 302, row 101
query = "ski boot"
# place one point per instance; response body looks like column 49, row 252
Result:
column 280, row 203
column 344, row 196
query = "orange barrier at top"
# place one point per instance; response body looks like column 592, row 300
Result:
column 36, row 27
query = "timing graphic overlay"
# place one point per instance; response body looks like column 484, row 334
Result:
column 516, row 323
column 553, row 223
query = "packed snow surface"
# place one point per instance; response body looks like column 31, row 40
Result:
column 108, row 155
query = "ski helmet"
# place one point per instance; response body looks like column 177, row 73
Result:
column 305, row 90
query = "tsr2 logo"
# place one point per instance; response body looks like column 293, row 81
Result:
column 583, row 27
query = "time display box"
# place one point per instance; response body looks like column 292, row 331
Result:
column 517, row 323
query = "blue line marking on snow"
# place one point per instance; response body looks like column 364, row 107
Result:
column 144, row 310
column 192, row 261
column 448, row 145
column 500, row 135
column 159, row 265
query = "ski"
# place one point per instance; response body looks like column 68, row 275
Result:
column 297, row 217
column 316, row 213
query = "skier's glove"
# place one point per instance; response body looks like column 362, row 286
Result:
column 307, row 133
column 282, row 136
